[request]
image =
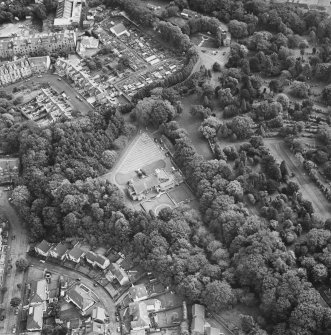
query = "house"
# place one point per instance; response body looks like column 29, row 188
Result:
column 87, row 46
column 75, row 254
column 39, row 64
column 119, row 30
column 68, row 13
column 198, row 320
column 138, row 292
column 116, row 272
column 43, row 248
column 97, row 260
column 213, row 331
column 160, row 180
column 26, row 45
column 139, row 314
column 39, row 293
column 80, row 297
column 35, row 318
column 188, row 14
column 59, row 251
column 94, row 328
column 99, row 315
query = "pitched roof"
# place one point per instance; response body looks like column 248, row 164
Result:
column 80, row 297
column 89, row 42
column 117, row 272
column 118, row 28
column 145, row 184
column 139, row 313
column 198, row 324
column 138, row 291
column 198, row 310
column 60, row 249
column 38, row 291
column 44, row 246
column 94, row 328
column 212, row 331
column 76, row 252
column 91, row 256
column 35, row 318
column 99, row 314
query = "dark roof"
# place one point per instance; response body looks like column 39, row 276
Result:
column 60, row 249
column 117, row 272
column 91, row 256
column 44, row 246
column 76, row 252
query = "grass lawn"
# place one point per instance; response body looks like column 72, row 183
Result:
column 169, row 300
column 167, row 318
column 157, row 204
column 192, row 124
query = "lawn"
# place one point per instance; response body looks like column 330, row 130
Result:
column 192, row 124
column 169, row 300
column 169, row 318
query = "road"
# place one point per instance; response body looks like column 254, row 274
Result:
column 59, row 86
column 100, row 292
column 307, row 187
column 16, row 249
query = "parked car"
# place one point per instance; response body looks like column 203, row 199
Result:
column 16, row 311
column 42, row 261
column 14, row 330
column 118, row 329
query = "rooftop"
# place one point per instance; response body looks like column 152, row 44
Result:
column 60, row 249
column 138, row 292
column 139, row 313
column 118, row 28
column 38, row 291
column 117, row 272
column 76, row 252
column 35, row 318
column 80, row 297
column 44, row 246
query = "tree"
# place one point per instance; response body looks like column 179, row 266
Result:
column 108, row 158
column 300, row 89
column 242, row 126
column 217, row 67
column 218, row 295
column 326, row 95
column 15, row 302
column 238, row 29
column 21, row 264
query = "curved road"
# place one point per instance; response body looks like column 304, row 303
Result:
column 99, row 291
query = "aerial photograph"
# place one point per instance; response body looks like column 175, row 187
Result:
column 165, row 167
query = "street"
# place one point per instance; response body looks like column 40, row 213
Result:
column 16, row 249
column 99, row 291
column 59, row 86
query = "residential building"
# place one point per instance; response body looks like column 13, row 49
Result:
column 8, row 169
column 138, row 292
column 87, row 46
column 39, row 293
column 198, row 320
column 80, row 297
column 59, row 251
column 99, row 315
column 189, row 14
column 43, row 248
column 94, row 328
column 159, row 181
column 68, row 13
column 212, row 331
column 97, row 260
column 75, row 254
column 116, row 272
column 26, row 45
column 39, row 64
column 83, row 81
column 22, row 68
column 35, row 318
column 119, row 30
column 139, row 314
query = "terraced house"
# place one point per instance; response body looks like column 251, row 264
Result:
column 32, row 44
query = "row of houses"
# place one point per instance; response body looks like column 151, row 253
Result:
column 47, row 107
column 22, row 68
column 62, row 252
column 94, row 92
column 26, row 45
column 68, row 14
